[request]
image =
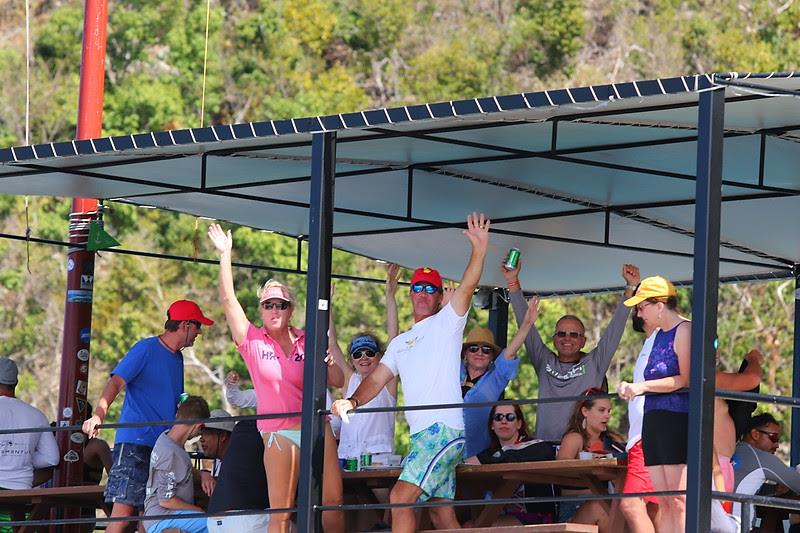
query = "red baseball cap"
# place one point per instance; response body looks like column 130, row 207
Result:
column 187, row 310
column 427, row 274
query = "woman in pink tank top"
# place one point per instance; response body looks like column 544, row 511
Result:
column 275, row 356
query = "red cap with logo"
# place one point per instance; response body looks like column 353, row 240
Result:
column 427, row 274
column 187, row 310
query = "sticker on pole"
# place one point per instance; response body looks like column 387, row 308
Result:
column 67, row 412
column 81, row 403
column 323, row 305
column 80, row 388
column 79, row 297
column 70, row 265
column 78, row 437
column 83, row 354
column 83, row 369
column 71, row 456
column 87, row 281
column 86, row 335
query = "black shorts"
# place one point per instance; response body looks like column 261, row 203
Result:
column 665, row 437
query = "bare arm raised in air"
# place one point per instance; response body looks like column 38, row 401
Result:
column 234, row 314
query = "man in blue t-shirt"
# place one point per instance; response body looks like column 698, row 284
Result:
column 152, row 374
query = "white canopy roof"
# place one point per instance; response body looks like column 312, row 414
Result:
column 580, row 180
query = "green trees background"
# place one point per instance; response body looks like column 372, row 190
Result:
column 270, row 59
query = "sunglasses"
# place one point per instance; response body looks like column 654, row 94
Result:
column 508, row 416
column 419, row 287
column 358, row 353
column 195, row 323
column 269, row 306
column 772, row 436
column 570, row 334
column 475, row 348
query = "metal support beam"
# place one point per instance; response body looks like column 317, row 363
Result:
column 320, row 245
column 795, row 440
column 704, row 310
column 498, row 318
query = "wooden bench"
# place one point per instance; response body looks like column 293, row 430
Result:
column 540, row 528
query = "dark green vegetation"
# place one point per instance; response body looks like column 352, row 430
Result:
column 273, row 59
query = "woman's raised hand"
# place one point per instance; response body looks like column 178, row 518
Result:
column 223, row 241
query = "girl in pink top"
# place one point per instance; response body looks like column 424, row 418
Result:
column 275, row 355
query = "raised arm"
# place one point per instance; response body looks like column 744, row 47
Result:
column 742, row 381
column 392, row 322
column 234, row 314
column 534, row 344
column 528, row 320
column 609, row 341
column 478, row 234
column 110, row 392
column 236, row 397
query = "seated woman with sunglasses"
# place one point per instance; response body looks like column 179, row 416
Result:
column 485, row 374
column 368, row 432
column 588, row 432
column 510, row 442
column 275, row 356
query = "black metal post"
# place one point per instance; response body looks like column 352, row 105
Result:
column 320, row 231
column 794, row 454
column 704, row 309
column 498, row 318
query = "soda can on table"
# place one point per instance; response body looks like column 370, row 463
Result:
column 366, row 459
column 351, row 464
column 512, row 259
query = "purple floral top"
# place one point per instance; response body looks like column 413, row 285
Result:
column 663, row 363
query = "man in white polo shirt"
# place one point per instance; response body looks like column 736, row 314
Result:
column 428, row 360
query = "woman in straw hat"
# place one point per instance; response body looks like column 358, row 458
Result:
column 485, row 374
column 666, row 412
column 275, row 356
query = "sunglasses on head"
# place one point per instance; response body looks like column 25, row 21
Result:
column 358, row 353
column 195, row 323
column 773, row 436
column 475, row 348
column 419, row 287
column 508, row 416
column 269, row 306
column 570, row 334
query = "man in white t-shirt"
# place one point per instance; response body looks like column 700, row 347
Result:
column 22, row 454
column 427, row 358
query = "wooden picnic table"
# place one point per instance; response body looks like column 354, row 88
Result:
column 39, row 502
column 502, row 479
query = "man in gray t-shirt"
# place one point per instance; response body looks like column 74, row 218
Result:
column 570, row 371
column 170, row 488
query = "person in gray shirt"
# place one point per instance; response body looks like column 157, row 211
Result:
column 170, row 486
column 568, row 371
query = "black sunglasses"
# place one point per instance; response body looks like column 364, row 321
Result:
column 195, row 323
column 269, row 306
column 571, row 334
column 772, row 436
column 358, row 353
column 474, row 348
column 508, row 416
column 419, row 287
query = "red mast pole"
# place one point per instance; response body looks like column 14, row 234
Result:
column 80, row 263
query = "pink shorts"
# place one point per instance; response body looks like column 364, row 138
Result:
column 637, row 478
column 727, row 472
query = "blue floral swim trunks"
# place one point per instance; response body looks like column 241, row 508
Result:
column 431, row 465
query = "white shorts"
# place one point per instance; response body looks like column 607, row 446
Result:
column 238, row 524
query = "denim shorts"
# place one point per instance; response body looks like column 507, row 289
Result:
column 127, row 480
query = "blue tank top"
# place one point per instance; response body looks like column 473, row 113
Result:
column 663, row 363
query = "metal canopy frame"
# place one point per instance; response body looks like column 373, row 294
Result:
column 302, row 152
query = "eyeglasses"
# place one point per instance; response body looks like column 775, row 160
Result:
column 570, row 334
column 475, row 348
column 419, row 287
column 269, row 306
column 640, row 307
column 195, row 323
column 358, row 353
column 508, row 416
column 773, row 436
